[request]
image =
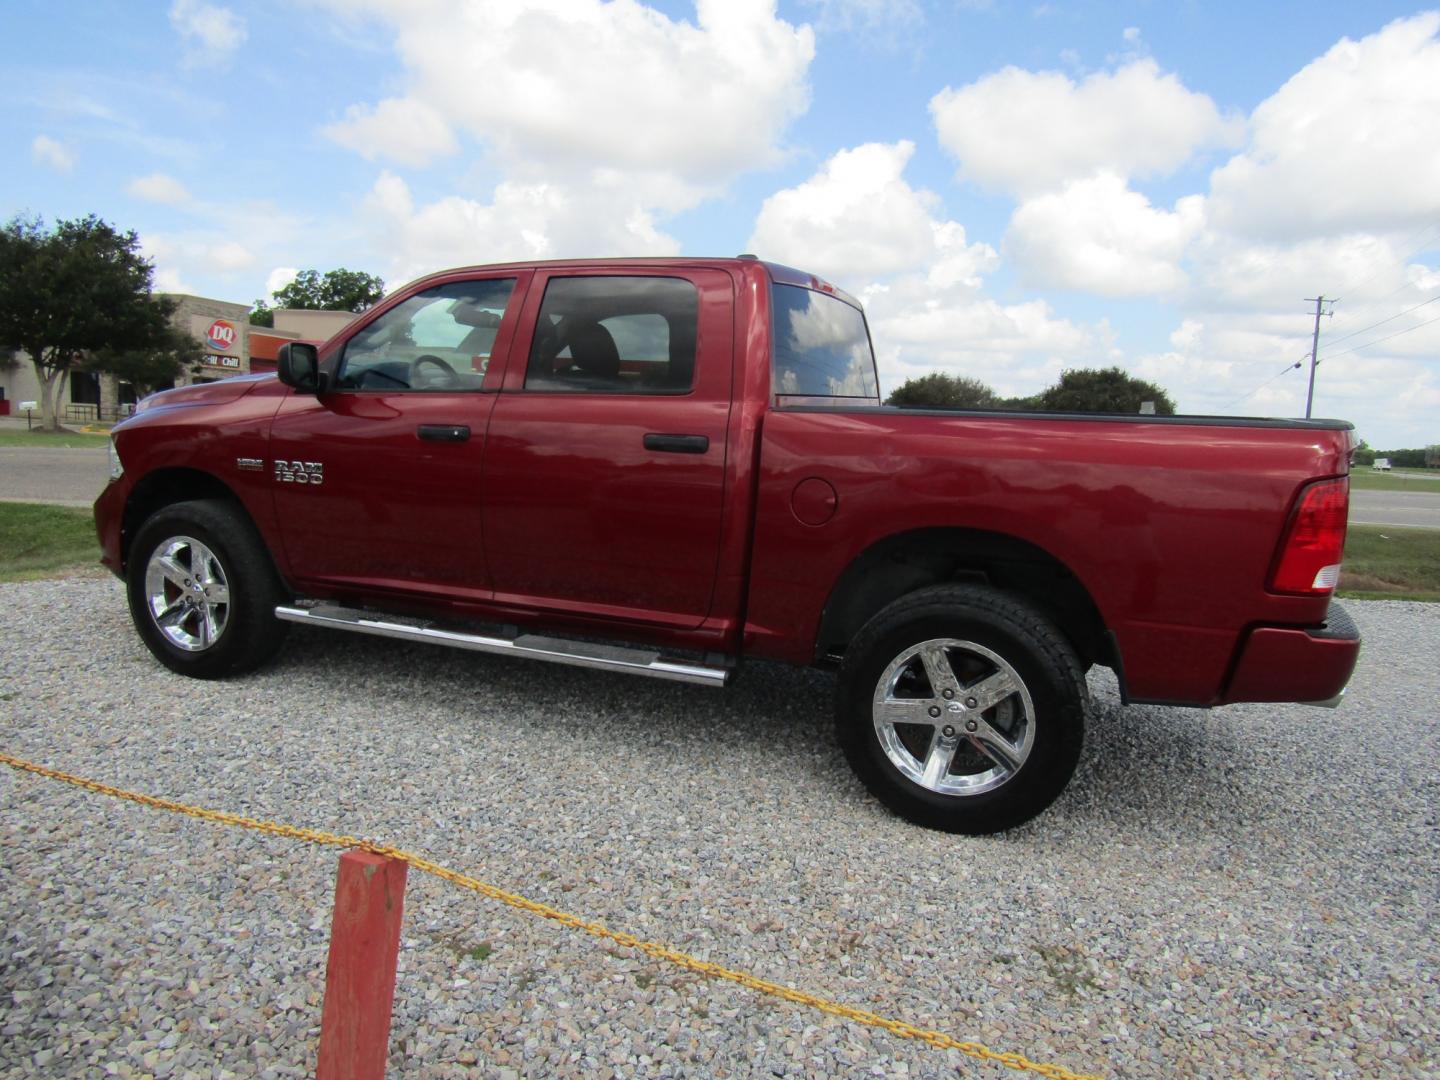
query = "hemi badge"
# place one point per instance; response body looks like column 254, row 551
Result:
column 250, row 464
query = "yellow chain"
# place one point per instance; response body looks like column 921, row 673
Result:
column 937, row 1039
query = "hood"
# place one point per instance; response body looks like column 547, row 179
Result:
column 204, row 393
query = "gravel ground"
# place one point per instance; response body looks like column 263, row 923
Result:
column 1250, row 892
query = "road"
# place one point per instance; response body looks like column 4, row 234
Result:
column 50, row 475
column 1400, row 509
column 75, row 478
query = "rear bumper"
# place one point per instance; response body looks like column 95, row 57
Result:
column 1288, row 664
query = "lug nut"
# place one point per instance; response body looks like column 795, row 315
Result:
column 949, row 732
column 934, row 710
column 970, row 703
column 947, row 694
column 970, row 725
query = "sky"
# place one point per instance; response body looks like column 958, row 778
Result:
column 1012, row 189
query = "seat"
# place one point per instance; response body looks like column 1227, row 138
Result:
column 593, row 351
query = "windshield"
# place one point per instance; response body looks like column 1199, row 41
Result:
column 822, row 348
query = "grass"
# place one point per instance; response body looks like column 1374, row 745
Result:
column 63, row 440
column 1383, row 563
column 1363, row 478
column 44, row 541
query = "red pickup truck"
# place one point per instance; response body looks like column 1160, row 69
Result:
column 665, row 466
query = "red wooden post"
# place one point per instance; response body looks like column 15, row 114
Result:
column 360, row 975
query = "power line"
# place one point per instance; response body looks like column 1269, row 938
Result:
column 1387, row 337
column 1424, row 244
column 1267, row 382
column 1382, row 322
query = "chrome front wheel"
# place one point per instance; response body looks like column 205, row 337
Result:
column 187, row 593
column 203, row 590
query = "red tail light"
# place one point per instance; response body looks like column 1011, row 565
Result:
column 1309, row 559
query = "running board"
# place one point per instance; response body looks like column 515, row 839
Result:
column 556, row 650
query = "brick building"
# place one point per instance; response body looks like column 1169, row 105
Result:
column 225, row 345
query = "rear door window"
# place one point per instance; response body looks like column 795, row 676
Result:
column 615, row 335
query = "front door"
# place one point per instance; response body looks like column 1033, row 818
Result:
column 378, row 481
column 605, row 464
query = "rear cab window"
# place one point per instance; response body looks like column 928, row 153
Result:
column 821, row 349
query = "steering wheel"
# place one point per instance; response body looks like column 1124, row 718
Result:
column 441, row 380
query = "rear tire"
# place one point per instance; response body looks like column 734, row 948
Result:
column 203, row 591
column 962, row 709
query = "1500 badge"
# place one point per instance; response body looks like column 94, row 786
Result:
column 300, row 472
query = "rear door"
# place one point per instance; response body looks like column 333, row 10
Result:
column 604, row 471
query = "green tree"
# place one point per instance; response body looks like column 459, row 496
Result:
column 942, row 391
column 78, row 289
column 151, row 365
column 336, row 290
column 1109, row 390
column 1364, row 454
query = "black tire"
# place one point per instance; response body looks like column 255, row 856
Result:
column 989, row 642
column 217, row 539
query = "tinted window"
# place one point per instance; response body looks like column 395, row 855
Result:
column 822, row 348
column 615, row 335
column 439, row 339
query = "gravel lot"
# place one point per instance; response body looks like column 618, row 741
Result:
column 1245, row 893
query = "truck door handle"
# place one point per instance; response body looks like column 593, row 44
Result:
column 678, row 444
column 444, row 432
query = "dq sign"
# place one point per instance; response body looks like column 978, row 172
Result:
column 222, row 335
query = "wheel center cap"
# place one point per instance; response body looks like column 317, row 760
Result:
column 955, row 707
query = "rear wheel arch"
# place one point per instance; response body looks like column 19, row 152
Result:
column 921, row 558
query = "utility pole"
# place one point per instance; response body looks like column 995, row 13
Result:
column 1319, row 302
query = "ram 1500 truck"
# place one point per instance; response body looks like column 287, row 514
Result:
column 667, row 466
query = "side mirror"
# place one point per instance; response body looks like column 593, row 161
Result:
column 298, row 365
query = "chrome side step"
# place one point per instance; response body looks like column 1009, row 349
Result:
column 636, row 661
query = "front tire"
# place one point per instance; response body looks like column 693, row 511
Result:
column 203, row 591
column 962, row 709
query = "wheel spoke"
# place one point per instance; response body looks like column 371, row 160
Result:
column 208, row 633
column 938, row 758
column 217, row 592
column 173, row 571
column 939, row 671
column 905, row 711
column 990, row 691
column 987, row 739
column 172, row 616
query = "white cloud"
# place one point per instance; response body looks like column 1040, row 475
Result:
column 1098, row 236
column 856, row 216
column 52, row 154
column 569, row 86
column 522, row 221
column 279, row 277
column 1026, row 132
column 160, row 188
column 211, row 33
column 1348, row 144
column 401, row 129
column 872, row 18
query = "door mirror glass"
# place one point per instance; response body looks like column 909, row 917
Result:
column 298, row 365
